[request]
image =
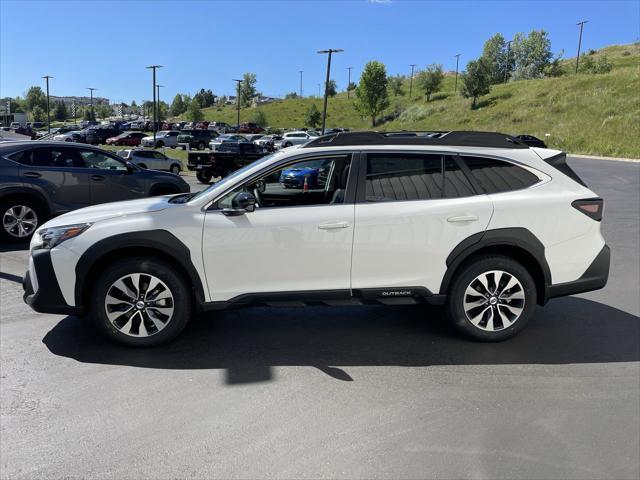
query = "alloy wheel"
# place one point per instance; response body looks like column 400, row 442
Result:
column 20, row 221
column 494, row 300
column 139, row 304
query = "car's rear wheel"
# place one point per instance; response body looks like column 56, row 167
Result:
column 21, row 216
column 175, row 169
column 201, row 146
column 141, row 302
column 203, row 177
column 492, row 298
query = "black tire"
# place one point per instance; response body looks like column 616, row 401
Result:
column 288, row 144
column 203, row 177
column 456, row 299
column 159, row 144
column 175, row 169
column 201, row 146
column 11, row 202
column 176, row 284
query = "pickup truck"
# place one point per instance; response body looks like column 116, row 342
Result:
column 227, row 158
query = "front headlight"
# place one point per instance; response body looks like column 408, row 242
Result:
column 48, row 238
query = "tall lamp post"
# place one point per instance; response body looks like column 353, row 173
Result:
column 158, row 99
column 301, row 82
column 580, row 42
column 349, row 82
column 413, row 65
column 91, row 89
column 155, row 112
column 326, row 83
column 455, row 87
column 238, row 100
column 47, row 77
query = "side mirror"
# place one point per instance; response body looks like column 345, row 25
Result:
column 241, row 203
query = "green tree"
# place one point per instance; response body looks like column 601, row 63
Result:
column 371, row 94
column 430, row 79
column 332, row 88
column 89, row 114
column 102, row 110
column 312, row 116
column 476, row 80
column 555, row 68
column 499, row 59
column 178, row 107
column 395, row 83
column 531, row 54
column 35, row 98
column 248, row 88
column 291, row 95
column 259, row 118
column 352, row 86
column 38, row 114
column 60, row 112
column 194, row 113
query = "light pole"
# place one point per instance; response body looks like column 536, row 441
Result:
column 326, row 83
column 238, row 100
column 455, row 87
column 580, row 42
column 158, row 99
column 319, row 94
column 506, row 66
column 301, row 82
column 413, row 65
column 91, row 89
column 47, row 77
column 153, row 87
column 349, row 82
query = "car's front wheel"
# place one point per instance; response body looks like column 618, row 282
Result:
column 492, row 298
column 203, row 177
column 141, row 302
column 21, row 217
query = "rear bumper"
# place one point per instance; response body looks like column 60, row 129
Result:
column 594, row 278
column 48, row 297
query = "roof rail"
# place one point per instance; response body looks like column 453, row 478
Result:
column 436, row 138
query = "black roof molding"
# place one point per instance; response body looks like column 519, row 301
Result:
column 435, row 138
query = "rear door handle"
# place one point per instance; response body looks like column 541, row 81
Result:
column 333, row 225
column 462, row 218
column 97, row 178
column 32, row 174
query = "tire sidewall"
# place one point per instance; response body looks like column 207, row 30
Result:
column 176, row 283
column 15, row 201
column 455, row 299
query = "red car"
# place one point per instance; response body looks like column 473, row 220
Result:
column 130, row 139
column 250, row 128
column 202, row 125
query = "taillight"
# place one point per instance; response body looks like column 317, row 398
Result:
column 591, row 207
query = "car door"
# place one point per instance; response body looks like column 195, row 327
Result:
column 160, row 161
column 110, row 179
column 58, row 172
column 412, row 211
column 295, row 241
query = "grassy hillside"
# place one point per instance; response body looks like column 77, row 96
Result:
column 589, row 114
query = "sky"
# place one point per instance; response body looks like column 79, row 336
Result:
column 206, row 44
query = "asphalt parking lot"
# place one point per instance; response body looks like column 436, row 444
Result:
column 353, row 392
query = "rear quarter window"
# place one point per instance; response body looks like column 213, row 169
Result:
column 496, row 176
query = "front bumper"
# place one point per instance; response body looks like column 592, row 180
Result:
column 46, row 297
column 594, row 278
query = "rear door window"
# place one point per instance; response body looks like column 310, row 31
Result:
column 496, row 176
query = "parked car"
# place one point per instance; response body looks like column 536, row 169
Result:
column 88, row 123
column 77, row 136
column 297, row 137
column 228, row 158
column 131, row 139
column 228, row 138
column 198, row 139
column 252, row 137
column 26, row 131
column 308, row 175
column 164, row 138
column 268, row 141
column 36, row 125
column 151, row 159
column 14, row 125
column 486, row 232
column 531, row 141
column 250, row 128
column 39, row 180
column 202, row 125
column 99, row 135
column 220, row 127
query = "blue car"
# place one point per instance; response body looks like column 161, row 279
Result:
column 315, row 172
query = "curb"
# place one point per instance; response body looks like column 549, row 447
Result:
column 611, row 159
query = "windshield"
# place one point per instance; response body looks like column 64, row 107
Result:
column 234, row 175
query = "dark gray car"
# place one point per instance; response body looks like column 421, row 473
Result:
column 39, row 180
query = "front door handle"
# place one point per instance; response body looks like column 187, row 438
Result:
column 333, row 225
column 32, row 174
column 463, row 218
column 97, row 178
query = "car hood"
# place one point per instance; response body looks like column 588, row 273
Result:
column 112, row 210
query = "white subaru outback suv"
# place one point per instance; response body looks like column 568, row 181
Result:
column 478, row 222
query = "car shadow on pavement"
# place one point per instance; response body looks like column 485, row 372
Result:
column 248, row 342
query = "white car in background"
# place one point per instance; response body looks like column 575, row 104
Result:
column 72, row 136
column 296, row 138
column 151, row 159
column 164, row 138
